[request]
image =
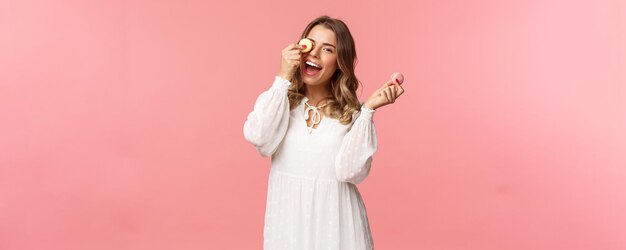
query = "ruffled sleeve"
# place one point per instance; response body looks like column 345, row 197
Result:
column 267, row 124
column 354, row 158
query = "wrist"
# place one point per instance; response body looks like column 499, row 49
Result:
column 284, row 76
column 281, row 82
column 369, row 106
column 366, row 113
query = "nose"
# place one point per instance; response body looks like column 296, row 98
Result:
column 315, row 51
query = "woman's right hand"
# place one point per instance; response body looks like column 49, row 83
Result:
column 290, row 61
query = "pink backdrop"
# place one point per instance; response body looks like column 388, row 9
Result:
column 121, row 122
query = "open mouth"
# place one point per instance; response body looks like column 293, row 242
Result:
column 311, row 68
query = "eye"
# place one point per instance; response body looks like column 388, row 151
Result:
column 328, row 50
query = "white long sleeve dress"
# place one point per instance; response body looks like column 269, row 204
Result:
column 312, row 199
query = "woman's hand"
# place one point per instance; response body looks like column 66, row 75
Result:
column 387, row 94
column 290, row 61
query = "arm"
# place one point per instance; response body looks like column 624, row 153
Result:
column 354, row 158
column 267, row 124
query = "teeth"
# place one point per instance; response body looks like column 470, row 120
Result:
column 313, row 64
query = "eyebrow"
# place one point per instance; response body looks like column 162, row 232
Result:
column 323, row 43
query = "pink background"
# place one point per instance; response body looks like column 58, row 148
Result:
column 121, row 122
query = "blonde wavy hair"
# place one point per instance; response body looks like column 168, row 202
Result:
column 343, row 84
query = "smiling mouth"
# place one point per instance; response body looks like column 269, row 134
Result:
column 311, row 68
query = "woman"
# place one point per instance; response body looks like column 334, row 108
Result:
column 321, row 139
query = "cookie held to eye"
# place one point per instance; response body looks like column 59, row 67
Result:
column 306, row 44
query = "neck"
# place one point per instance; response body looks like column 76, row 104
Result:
column 315, row 93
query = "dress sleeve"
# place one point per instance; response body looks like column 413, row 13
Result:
column 267, row 124
column 354, row 158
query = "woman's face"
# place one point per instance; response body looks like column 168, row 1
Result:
column 320, row 63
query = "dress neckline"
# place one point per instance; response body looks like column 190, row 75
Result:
column 316, row 113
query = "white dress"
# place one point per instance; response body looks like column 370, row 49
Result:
column 312, row 199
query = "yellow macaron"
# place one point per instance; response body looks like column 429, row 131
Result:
column 306, row 44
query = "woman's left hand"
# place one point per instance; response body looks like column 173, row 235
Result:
column 387, row 94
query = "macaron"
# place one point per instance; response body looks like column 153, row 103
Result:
column 306, row 44
column 397, row 77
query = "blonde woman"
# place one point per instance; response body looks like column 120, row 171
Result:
column 321, row 140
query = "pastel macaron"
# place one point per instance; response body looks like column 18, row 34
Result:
column 397, row 77
column 306, row 44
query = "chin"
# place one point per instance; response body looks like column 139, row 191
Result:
column 314, row 80
column 311, row 82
